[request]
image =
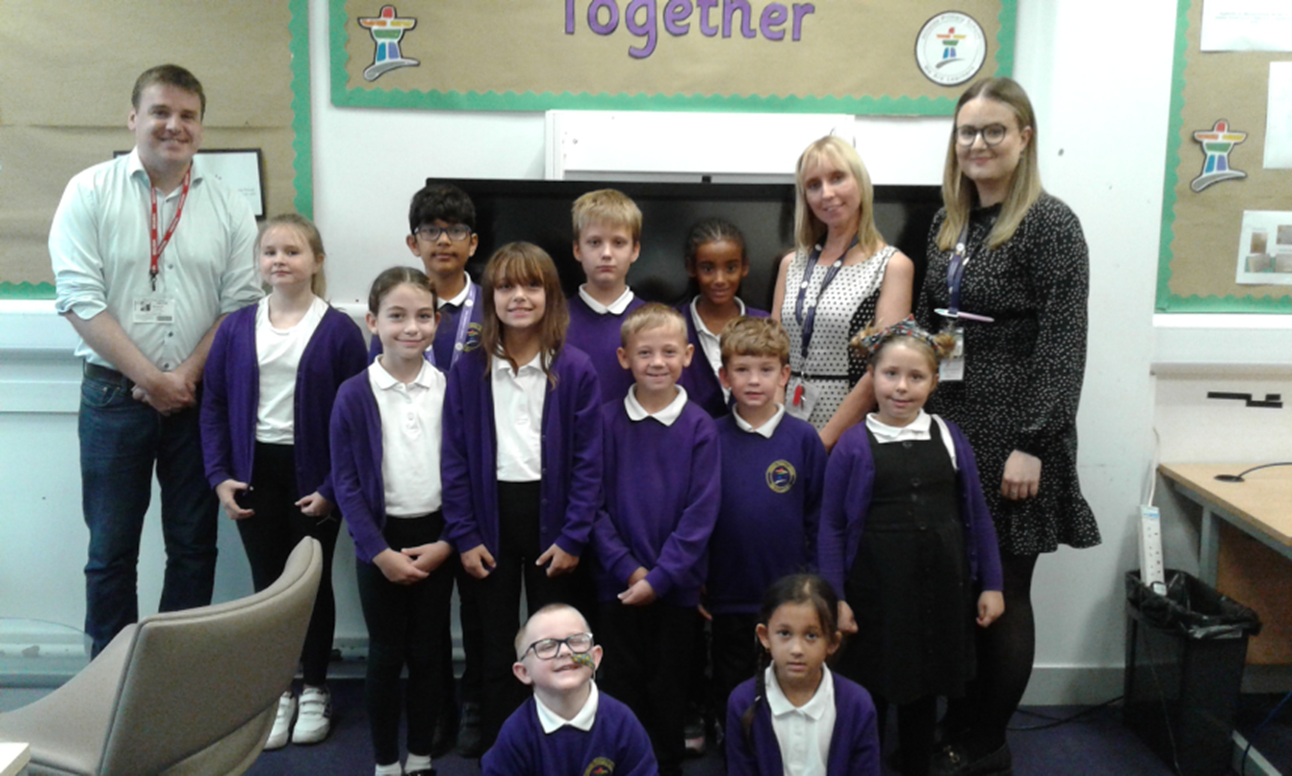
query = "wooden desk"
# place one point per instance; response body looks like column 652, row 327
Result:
column 1260, row 507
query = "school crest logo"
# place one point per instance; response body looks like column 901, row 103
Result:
column 781, row 476
column 951, row 48
column 473, row 337
column 602, row 766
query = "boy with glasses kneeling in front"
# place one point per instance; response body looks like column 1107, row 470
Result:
column 567, row 727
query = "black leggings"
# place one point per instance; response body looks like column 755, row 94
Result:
column 269, row 535
column 1006, row 651
column 406, row 624
column 916, row 725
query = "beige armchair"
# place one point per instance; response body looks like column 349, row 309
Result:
column 190, row 692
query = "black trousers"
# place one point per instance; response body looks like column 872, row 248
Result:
column 735, row 656
column 497, row 598
column 647, row 656
column 406, row 626
column 274, row 530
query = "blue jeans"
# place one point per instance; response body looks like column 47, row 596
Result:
column 121, row 439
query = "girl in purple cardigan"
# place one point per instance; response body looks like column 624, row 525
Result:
column 271, row 379
column 906, row 535
column 795, row 710
column 522, row 461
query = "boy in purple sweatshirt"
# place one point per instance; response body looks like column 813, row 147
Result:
column 661, row 461
column 607, row 240
column 567, row 726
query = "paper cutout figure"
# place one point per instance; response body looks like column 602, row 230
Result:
column 1217, row 143
column 387, row 30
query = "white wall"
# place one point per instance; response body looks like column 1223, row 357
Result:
column 1086, row 65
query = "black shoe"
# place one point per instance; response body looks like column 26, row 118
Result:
column 472, row 741
column 953, row 760
column 424, row 772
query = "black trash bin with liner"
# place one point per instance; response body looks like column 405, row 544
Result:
column 1185, row 652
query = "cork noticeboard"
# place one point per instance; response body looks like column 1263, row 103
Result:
column 1222, row 95
column 881, row 57
column 69, row 68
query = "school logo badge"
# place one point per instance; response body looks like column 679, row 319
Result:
column 951, row 48
column 602, row 766
column 781, row 476
column 473, row 337
column 387, row 28
column 1217, row 142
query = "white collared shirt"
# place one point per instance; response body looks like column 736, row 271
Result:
column 710, row 343
column 667, row 416
column 767, row 429
column 518, row 418
column 99, row 250
column 803, row 732
column 915, row 431
column 616, row 307
column 587, row 716
column 278, row 355
column 410, row 438
column 460, row 298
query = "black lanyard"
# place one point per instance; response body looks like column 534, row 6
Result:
column 808, row 322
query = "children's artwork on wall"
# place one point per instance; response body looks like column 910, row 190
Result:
column 1216, row 143
column 907, row 57
column 1216, row 181
column 65, row 105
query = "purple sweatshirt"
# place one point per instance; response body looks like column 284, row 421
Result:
column 617, row 743
column 661, row 502
column 231, row 397
column 699, row 379
column 571, row 455
column 854, row 744
column 598, row 336
column 849, row 483
column 771, row 504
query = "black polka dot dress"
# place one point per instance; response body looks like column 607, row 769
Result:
column 1023, row 373
column 846, row 308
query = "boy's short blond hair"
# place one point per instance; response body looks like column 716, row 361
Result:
column 609, row 207
column 522, row 635
column 651, row 315
column 746, row 336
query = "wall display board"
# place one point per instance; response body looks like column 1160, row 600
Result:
column 895, row 57
column 68, row 71
column 1227, row 213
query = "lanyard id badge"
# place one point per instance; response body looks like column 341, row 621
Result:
column 155, row 245
column 807, row 320
column 952, row 368
column 463, row 331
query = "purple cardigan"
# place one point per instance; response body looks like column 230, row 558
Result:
column 571, row 455
column 854, row 743
column 699, row 379
column 849, row 484
column 356, row 465
column 231, row 396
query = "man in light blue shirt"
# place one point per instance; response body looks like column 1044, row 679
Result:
column 149, row 253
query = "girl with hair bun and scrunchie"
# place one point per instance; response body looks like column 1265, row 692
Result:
column 907, row 540
column 1008, row 277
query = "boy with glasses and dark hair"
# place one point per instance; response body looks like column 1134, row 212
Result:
column 567, row 727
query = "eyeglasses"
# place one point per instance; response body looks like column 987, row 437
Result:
column 547, row 649
column 431, row 232
column 992, row 134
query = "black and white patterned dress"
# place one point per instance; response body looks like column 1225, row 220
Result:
column 847, row 307
column 1023, row 373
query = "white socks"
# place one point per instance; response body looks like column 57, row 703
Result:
column 390, row 770
column 417, row 762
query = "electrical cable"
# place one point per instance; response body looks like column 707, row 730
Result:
column 1247, row 750
column 1057, row 721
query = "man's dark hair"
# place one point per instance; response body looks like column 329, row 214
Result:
column 444, row 202
column 172, row 75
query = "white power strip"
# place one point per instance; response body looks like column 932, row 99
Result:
column 1150, row 549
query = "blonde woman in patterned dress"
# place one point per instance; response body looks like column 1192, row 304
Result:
column 1019, row 306
column 840, row 278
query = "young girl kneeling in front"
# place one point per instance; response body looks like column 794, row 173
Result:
column 522, row 460
column 795, row 711
column 906, row 534
column 271, row 379
column 386, row 463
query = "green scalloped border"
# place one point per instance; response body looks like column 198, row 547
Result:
column 344, row 96
column 302, row 144
column 1168, row 302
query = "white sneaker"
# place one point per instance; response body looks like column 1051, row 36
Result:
column 315, row 718
column 282, row 722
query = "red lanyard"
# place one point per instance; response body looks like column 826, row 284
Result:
column 155, row 246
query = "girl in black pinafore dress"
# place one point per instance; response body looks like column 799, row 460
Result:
column 906, row 535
